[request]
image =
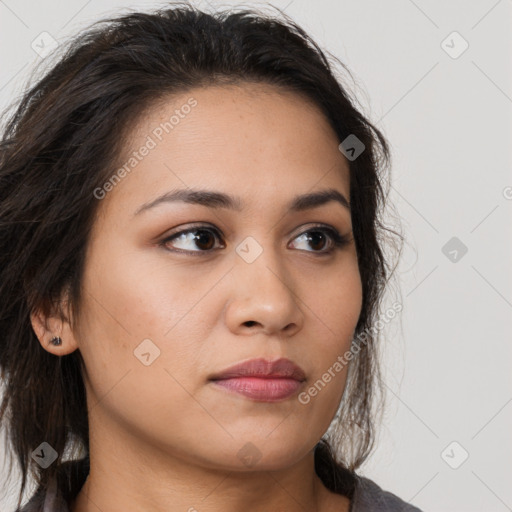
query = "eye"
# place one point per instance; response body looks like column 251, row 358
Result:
column 202, row 237
column 321, row 237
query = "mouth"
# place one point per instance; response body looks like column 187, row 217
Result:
column 262, row 380
column 261, row 389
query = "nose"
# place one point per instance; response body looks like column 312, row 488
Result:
column 263, row 297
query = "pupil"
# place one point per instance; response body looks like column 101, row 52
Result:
column 317, row 235
column 200, row 239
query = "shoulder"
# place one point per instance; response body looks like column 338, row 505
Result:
column 61, row 490
column 369, row 497
column 50, row 500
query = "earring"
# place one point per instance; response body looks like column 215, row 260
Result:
column 56, row 340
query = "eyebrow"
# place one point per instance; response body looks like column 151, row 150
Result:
column 213, row 199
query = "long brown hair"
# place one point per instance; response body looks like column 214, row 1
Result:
column 60, row 144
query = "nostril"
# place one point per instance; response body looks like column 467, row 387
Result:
column 250, row 323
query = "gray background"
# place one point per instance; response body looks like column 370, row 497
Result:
column 448, row 118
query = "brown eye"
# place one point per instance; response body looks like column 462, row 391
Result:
column 318, row 239
column 185, row 241
column 321, row 238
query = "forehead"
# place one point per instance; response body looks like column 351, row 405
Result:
column 247, row 139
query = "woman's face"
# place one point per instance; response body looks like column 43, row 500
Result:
column 161, row 316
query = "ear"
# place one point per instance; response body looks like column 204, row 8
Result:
column 55, row 324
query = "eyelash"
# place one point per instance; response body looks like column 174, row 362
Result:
column 338, row 241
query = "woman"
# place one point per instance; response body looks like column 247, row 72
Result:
column 191, row 272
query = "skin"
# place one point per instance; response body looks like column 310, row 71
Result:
column 162, row 436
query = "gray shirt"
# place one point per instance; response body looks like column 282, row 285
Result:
column 367, row 496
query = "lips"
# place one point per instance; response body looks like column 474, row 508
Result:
column 260, row 389
column 263, row 368
column 261, row 380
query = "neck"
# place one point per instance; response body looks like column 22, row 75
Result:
column 122, row 477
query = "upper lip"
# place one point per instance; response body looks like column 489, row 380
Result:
column 280, row 368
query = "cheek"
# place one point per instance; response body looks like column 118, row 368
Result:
column 141, row 343
column 137, row 294
column 135, row 300
column 335, row 304
column 334, row 310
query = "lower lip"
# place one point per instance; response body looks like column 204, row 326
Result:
column 261, row 389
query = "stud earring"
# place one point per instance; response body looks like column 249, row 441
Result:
column 56, row 340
